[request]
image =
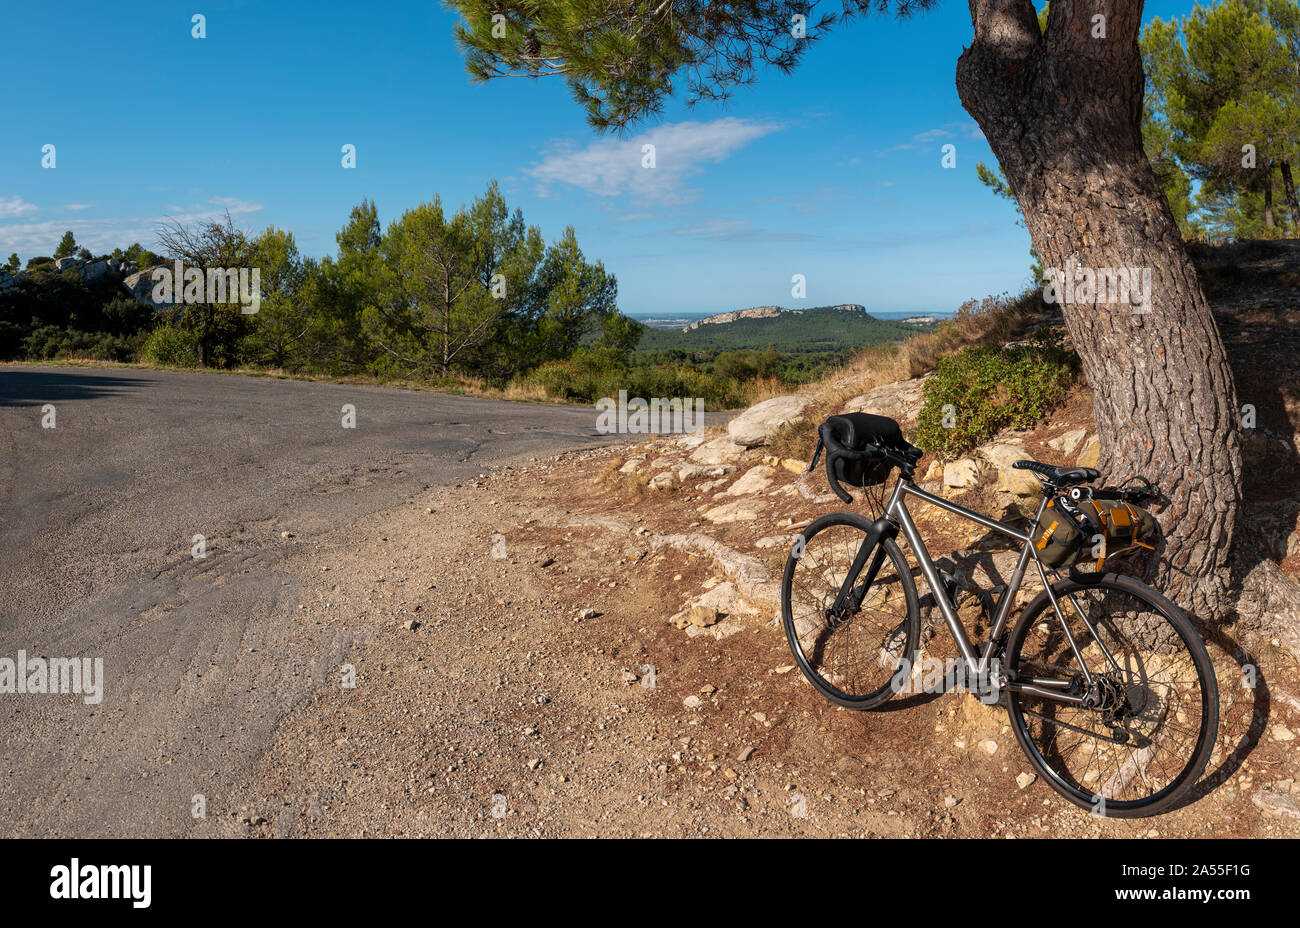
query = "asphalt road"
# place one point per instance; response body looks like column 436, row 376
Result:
column 201, row 655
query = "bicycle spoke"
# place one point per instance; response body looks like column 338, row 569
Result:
column 854, row 650
column 1140, row 725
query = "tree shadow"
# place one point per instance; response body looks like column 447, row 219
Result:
column 35, row 388
column 1254, row 725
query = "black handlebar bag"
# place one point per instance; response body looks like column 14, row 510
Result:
column 857, row 432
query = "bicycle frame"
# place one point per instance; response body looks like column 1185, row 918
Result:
column 898, row 517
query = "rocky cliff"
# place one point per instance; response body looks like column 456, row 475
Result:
column 764, row 312
column 135, row 281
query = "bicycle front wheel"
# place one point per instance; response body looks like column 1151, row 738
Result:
column 1139, row 706
column 861, row 653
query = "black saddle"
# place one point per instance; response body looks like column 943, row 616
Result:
column 1059, row 476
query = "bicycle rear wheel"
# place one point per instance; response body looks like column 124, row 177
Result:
column 861, row 655
column 1146, row 712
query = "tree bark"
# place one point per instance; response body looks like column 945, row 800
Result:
column 1268, row 199
column 1288, row 184
column 1062, row 112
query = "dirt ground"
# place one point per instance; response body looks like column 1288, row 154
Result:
column 520, row 678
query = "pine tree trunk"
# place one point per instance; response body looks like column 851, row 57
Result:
column 1062, row 113
column 1288, row 184
column 1268, row 200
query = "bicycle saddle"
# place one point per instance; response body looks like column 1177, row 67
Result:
column 1060, row 476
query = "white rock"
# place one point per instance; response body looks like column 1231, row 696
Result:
column 742, row 510
column 757, row 424
column 1010, row 480
column 1024, row 779
column 632, row 464
column 140, row 285
column 755, row 480
column 961, row 473
column 1276, row 804
column 1069, row 441
column 718, row 451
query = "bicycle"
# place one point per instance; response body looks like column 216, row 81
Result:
column 1116, row 707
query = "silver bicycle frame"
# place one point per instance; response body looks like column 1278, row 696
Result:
column 896, row 512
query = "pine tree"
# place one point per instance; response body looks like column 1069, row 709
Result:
column 1225, row 85
column 1061, row 106
column 67, row 246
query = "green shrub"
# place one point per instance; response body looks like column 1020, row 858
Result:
column 593, row 373
column 52, row 343
column 981, row 390
column 171, row 346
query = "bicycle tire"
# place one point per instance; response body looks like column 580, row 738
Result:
column 1065, row 783
column 910, row 622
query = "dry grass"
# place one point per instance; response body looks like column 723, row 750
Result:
column 991, row 321
column 634, row 485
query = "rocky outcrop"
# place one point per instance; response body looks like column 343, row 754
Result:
column 140, row 285
column 136, row 283
column 763, row 312
column 758, row 424
column 899, row 401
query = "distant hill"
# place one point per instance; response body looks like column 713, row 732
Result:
column 764, row 312
column 822, row 328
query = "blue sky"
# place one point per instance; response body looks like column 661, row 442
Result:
column 833, row 172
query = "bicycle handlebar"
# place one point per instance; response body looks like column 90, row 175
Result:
column 1135, row 495
column 835, row 449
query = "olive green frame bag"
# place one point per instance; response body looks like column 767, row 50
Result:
column 1063, row 538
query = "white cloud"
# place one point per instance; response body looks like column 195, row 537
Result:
column 613, row 167
column 77, row 207
column 103, row 235
column 966, row 128
column 736, row 230
column 14, row 206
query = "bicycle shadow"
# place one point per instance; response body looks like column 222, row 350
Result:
column 932, row 621
column 1240, row 730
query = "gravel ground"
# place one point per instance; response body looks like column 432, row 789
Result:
column 519, row 677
